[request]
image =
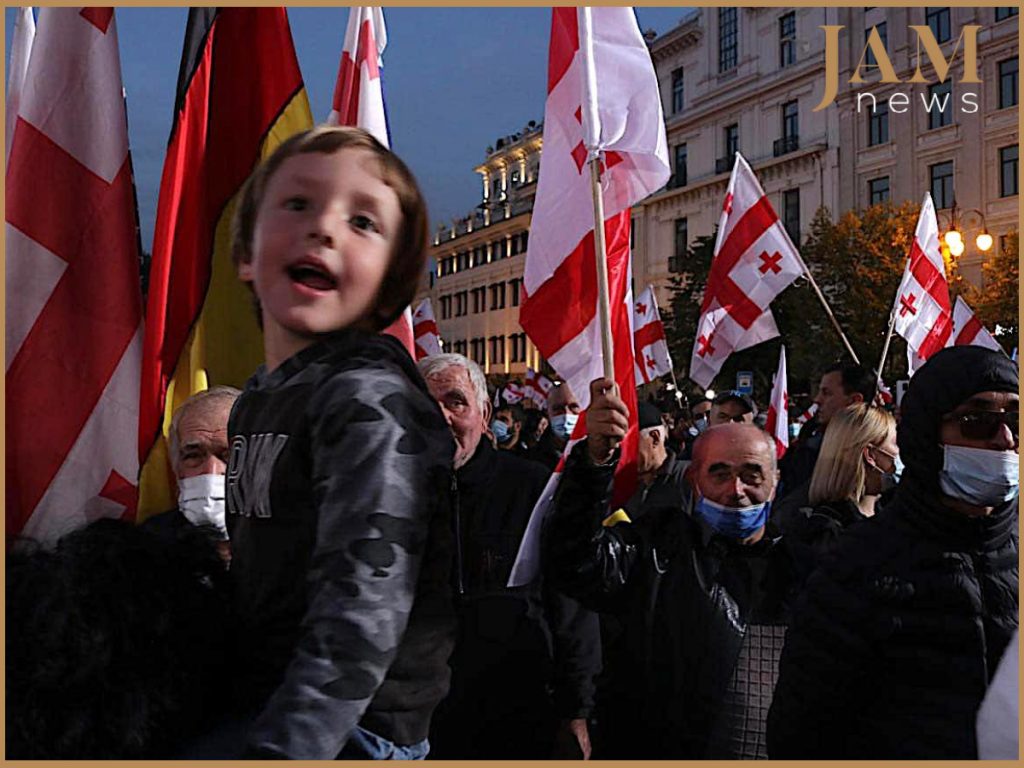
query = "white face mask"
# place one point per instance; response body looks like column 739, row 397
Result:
column 979, row 476
column 201, row 501
column 563, row 424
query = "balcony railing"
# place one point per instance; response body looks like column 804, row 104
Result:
column 785, row 145
column 723, row 164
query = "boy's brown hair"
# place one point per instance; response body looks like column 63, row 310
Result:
column 410, row 253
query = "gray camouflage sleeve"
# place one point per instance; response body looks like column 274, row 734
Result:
column 373, row 446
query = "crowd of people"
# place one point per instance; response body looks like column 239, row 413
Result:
column 334, row 580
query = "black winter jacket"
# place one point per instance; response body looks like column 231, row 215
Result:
column 686, row 598
column 340, row 523
column 525, row 657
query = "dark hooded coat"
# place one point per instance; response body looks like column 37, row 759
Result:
column 896, row 637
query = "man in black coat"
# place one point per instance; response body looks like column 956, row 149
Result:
column 699, row 585
column 525, row 658
column 894, row 641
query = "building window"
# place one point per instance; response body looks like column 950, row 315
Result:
column 460, row 347
column 941, row 176
column 727, row 39
column 878, row 190
column 682, row 243
column 679, row 178
column 1005, row 13
column 790, row 140
column 1008, row 83
column 524, row 238
column 940, row 104
column 878, row 124
column 446, row 307
column 732, row 140
column 497, row 350
column 463, row 260
column 518, row 351
column 478, row 350
column 513, row 246
column 791, row 214
column 461, row 303
column 883, row 35
column 787, row 39
column 514, row 290
column 677, row 90
column 938, row 20
column 498, row 296
column 1008, row 171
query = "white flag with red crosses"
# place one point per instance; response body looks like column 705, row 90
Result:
column 754, row 262
column 777, row 424
column 424, row 331
column 924, row 315
column 74, row 308
column 649, row 344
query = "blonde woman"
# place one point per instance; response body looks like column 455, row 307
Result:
column 858, row 462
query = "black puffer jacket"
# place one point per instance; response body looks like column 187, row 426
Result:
column 895, row 639
column 687, row 598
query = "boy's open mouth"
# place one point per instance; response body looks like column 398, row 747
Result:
column 312, row 275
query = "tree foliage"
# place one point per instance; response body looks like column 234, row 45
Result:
column 997, row 300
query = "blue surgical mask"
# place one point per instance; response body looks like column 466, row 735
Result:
column 889, row 479
column 979, row 476
column 563, row 424
column 734, row 522
column 501, row 431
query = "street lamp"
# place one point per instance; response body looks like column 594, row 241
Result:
column 954, row 238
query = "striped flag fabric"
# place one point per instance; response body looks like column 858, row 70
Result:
column 649, row 343
column 615, row 109
column 754, row 261
column 17, row 67
column 967, row 328
column 923, row 312
column 424, row 329
column 240, row 94
column 359, row 101
column 777, row 423
column 807, row 415
column 74, row 308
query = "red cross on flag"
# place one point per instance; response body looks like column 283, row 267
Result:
column 359, row 100
column 602, row 96
column 923, row 311
column 967, row 328
column 424, row 330
column 777, row 424
column 652, row 358
column 754, row 262
column 74, row 316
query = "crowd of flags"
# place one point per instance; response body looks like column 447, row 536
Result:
column 90, row 386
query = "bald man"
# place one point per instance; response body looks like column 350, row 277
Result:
column 701, row 590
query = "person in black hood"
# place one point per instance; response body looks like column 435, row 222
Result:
column 895, row 639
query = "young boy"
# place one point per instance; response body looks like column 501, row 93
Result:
column 340, row 462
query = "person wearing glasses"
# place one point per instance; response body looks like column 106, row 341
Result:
column 858, row 462
column 897, row 635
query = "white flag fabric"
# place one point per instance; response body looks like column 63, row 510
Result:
column 513, row 393
column 424, row 331
column 603, row 101
column 358, row 94
column 536, row 388
column 754, row 261
column 21, row 49
column 924, row 314
column 777, row 424
column 74, row 324
column 649, row 343
column 967, row 328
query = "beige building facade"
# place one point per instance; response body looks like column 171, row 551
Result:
column 748, row 80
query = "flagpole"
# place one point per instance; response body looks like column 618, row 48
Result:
column 888, row 338
column 591, row 120
column 824, row 303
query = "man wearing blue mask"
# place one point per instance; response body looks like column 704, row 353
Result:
column 563, row 413
column 893, row 644
column 699, row 587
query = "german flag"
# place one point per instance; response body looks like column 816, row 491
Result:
column 240, row 94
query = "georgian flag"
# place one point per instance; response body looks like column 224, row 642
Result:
column 74, row 308
column 424, row 331
column 603, row 98
column 967, row 329
column 536, row 387
column 652, row 357
column 754, row 262
column 924, row 314
column 807, row 415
